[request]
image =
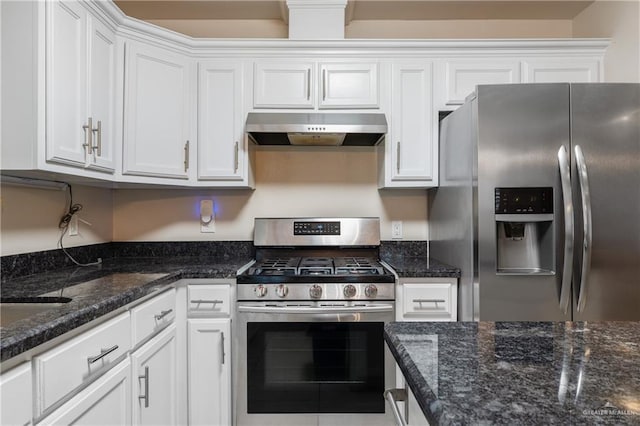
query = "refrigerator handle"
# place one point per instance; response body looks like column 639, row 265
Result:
column 565, row 180
column 583, row 180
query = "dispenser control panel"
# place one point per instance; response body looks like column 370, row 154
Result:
column 524, row 200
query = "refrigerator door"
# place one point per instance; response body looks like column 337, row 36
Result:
column 605, row 129
column 520, row 131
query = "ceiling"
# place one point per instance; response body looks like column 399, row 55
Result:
column 356, row 9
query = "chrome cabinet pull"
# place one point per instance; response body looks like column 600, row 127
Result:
column 145, row 377
column 398, row 157
column 163, row 314
column 236, row 158
column 436, row 301
column 324, row 84
column 88, row 132
column 567, row 198
column 308, row 83
column 393, row 396
column 103, row 353
column 186, row 156
column 222, row 345
column 583, row 179
column 98, row 146
column 214, row 301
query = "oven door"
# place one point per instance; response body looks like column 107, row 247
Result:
column 298, row 363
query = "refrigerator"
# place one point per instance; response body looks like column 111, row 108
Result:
column 539, row 202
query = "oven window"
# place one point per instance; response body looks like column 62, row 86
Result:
column 315, row 367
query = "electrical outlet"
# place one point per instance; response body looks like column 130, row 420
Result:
column 207, row 217
column 396, row 229
column 73, row 226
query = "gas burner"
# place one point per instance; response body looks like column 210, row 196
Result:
column 316, row 266
column 348, row 270
column 276, row 266
column 357, row 266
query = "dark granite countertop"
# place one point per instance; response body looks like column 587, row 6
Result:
column 25, row 334
column 417, row 267
column 521, row 373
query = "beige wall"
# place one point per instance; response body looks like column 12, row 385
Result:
column 289, row 183
column 459, row 29
column 29, row 218
column 620, row 21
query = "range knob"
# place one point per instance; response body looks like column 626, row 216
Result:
column 349, row 291
column 260, row 290
column 282, row 290
column 371, row 291
column 315, row 291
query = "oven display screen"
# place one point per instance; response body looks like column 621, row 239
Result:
column 316, row 228
column 315, row 367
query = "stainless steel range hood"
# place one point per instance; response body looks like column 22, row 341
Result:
column 348, row 129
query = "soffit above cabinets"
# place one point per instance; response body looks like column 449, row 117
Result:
column 356, row 9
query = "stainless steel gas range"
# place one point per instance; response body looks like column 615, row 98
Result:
column 309, row 330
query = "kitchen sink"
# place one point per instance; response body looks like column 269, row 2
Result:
column 13, row 309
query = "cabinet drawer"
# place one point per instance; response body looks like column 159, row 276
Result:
column 209, row 299
column 153, row 315
column 65, row 367
column 428, row 301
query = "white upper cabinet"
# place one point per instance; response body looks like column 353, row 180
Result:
column 352, row 85
column 462, row 76
column 284, row 85
column 222, row 149
column 411, row 144
column 66, row 83
column 102, row 105
column 561, row 70
column 80, row 78
column 311, row 85
column 156, row 112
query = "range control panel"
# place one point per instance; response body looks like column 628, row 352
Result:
column 524, row 200
column 316, row 228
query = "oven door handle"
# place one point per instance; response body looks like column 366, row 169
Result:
column 315, row 310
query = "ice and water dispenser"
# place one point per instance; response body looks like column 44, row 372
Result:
column 524, row 231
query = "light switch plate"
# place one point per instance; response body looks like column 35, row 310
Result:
column 396, row 229
column 207, row 217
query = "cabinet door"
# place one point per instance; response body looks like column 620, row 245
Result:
column 209, row 370
column 16, row 396
column 412, row 146
column 155, row 380
column 462, row 76
column 101, row 85
column 221, row 148
column 352, row 85
column 156, row 113
column 66, row 97
column 107, row 402
column 564, row 70
column 284, row 85
column 415, row 415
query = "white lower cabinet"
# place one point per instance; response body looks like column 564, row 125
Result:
column 415, row 416
column 16, row 396
column 209, row 361
column 107, row 401
column 427, row 299
column 155, row 380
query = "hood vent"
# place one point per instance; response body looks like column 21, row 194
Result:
column 348, row 129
